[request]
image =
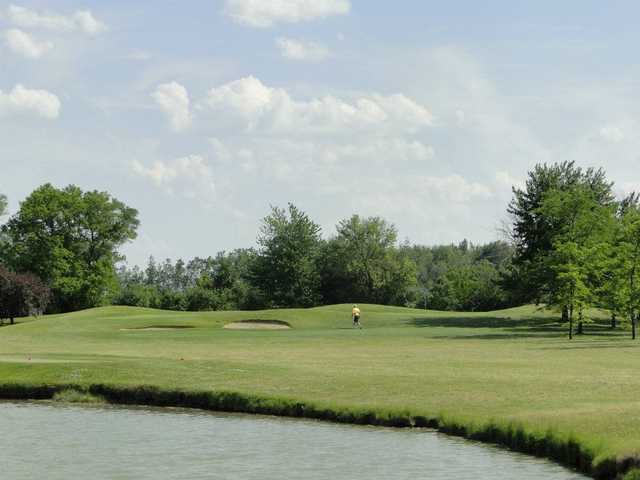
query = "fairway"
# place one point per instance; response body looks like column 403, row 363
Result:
column 510, row 366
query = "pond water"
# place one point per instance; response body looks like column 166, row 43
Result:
column 65, row 442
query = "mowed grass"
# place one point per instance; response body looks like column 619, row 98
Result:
column 509, row 366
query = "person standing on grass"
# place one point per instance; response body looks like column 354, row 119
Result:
column 355, row 316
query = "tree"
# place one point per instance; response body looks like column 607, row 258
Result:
column 534, row 233
column 366, row 260
column 470, row 287
column 612, row 291
column 69, row 238
column 625, row 278
column 463, row 276
column 576, row 262
column 285, row 270
column 21, row 295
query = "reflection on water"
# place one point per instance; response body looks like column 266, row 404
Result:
column 54, row 442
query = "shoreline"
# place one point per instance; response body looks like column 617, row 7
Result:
column 564, row 451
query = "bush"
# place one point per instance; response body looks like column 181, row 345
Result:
column 632, row 475
column 21, row 295
column 202, row 299
column 173, row 300
column 137, row 295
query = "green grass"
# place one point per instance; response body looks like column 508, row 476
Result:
column 488, row 375
column 75, row 396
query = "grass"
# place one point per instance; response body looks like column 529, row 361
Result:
column 71, row 395
column 509, row 377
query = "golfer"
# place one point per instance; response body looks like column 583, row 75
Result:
column 355, row 316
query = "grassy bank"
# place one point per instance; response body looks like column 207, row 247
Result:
column 508, row 377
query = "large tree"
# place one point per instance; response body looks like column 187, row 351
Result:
column 624, row 281
column 70, row 239
column 285, row 269
column 365, row 260
column 577, row 260
column 534, row 232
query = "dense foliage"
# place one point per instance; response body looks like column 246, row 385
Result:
column 294, row 266
column 69, row 239
column 21, row 295
column 462, row 277
column 576, row 246
column 284, row 271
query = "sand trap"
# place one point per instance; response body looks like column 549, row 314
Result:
column 258, row 325
column 156, row 328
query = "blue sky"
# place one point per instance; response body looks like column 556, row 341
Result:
column 203, row 114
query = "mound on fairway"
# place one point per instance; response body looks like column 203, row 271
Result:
column 156, row 328
column 258, row 325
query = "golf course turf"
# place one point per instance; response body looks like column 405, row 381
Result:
column 510, row 377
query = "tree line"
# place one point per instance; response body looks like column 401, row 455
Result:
column 70, row 240
column 293, row 266
column 571, row 244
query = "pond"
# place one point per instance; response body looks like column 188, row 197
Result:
column 64, row 442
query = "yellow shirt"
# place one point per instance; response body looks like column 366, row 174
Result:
column 355, row 311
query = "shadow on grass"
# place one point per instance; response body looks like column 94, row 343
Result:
column 617, row 344
column 509, row 328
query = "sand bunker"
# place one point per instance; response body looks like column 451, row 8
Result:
column 258, row 325
column 156, row 328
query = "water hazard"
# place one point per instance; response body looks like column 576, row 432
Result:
column 62, row 442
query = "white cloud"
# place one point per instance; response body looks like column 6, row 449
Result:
column 173, row 99
column 505, row 181
column 258, row 107
column 79, row 21
column 21, row 100
column 191, row 177
column 454, row 188
column 24, row 44
column 612, row 134
column 301, row 50
column 87, row 23
column 266, row 13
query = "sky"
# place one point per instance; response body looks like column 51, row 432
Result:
column 204, row 114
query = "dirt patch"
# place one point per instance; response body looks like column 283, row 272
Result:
column 156, row 328
column 258, row 325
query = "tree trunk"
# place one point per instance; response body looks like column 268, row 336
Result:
column 633, row 326
column 571, row 323
column 580, row 328
column 12, row 322
column 614, row 321
column 565, row 314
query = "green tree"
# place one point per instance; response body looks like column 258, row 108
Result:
column 368, row 259
column 577, row 260
column 534, row 232
column 625, row 278
column 69, row 238
column 285, row 269
column 463, row 276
